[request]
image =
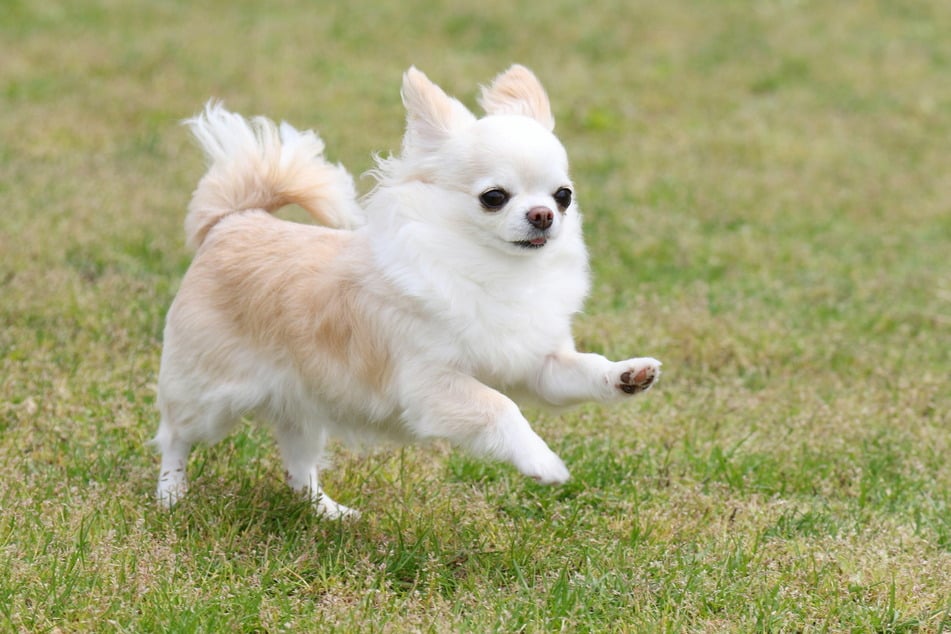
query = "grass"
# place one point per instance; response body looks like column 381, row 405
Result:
column 768, row 210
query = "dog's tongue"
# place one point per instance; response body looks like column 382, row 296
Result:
column 538, row 242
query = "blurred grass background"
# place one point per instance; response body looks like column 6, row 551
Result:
column 767, row 197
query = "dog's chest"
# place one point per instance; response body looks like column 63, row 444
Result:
column 502, row 334
column 496, row 320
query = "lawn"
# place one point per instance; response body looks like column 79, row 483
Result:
column 767, row 198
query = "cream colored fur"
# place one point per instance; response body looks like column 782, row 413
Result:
column 404, row 319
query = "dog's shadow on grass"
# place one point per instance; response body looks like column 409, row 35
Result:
column 263, row 525
column 466, row 522
column 465, row 519
column 242, row 510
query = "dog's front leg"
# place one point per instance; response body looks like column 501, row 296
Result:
column 473, row 416
column 568, row 377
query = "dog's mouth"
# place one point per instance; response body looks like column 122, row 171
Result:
column 534, row 243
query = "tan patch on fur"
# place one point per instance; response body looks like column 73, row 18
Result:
column 293, row 292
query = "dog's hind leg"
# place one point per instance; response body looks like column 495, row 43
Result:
column 173, row 483
column 302, row 451
column 186, row 420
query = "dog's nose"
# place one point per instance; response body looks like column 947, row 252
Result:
column 540, row 217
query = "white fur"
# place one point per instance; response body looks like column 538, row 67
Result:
column 408, row 318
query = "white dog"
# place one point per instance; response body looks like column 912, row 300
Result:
column 406, row 319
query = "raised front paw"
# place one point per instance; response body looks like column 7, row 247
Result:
column 637, row 375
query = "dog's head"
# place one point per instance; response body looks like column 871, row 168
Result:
column 502, row 178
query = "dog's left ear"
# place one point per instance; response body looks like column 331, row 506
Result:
column 518, row 91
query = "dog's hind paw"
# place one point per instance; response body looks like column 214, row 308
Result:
column 331, row 510
column 172, row 488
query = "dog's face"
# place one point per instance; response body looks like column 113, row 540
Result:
column 517, row 179
column 504, row 176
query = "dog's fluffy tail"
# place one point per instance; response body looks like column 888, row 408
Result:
column 253, row 164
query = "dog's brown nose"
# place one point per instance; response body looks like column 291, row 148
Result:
column 540, row 217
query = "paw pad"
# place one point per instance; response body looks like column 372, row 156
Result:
column 633, row 381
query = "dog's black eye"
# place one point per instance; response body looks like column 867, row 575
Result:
column 563, row 198
column 494, row 199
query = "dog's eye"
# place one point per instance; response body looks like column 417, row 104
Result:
column 563, row 198
column 494, row 199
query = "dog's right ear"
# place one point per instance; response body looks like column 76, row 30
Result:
column 431, row 115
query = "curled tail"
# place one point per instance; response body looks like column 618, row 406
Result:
column 256, row 165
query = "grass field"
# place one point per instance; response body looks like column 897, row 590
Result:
column 767, row 196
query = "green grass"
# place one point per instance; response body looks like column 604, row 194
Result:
column 768, row 207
